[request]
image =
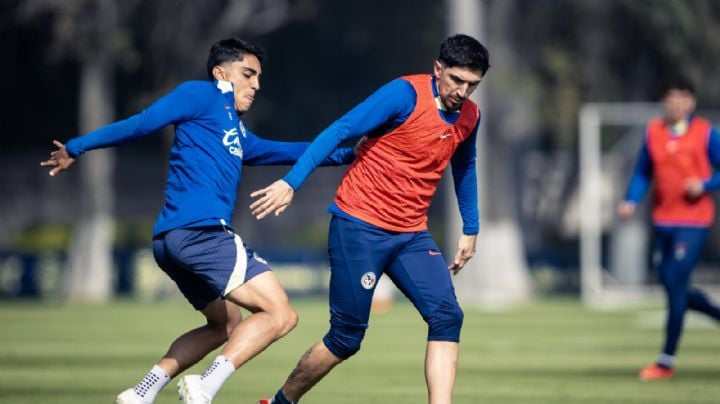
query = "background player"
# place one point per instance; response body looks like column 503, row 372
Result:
column 415, row 125
column 193, row 240
column 677, row 156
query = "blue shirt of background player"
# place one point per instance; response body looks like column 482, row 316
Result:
column 387, row 108
column 211, row 145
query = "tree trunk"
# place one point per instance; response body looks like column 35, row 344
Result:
column 497, row 276
column 89, row 266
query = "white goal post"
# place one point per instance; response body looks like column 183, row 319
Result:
column 593, row 116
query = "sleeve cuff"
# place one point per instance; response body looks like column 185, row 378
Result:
column 294, row 184
column 72, row 150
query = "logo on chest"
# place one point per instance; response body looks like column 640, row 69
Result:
column 232, row 141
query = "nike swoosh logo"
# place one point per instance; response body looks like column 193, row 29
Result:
column 431, row 252
column 445, row 135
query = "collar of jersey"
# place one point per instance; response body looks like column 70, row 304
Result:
column 224, row 86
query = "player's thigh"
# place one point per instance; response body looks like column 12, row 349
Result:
column 422, row 275
column 262, row 292
column 681, row 255
column 689, row 242
column 358, row 257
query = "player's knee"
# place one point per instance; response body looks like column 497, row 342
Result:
column 343, row 341
column 445, row 323
column 284, row 320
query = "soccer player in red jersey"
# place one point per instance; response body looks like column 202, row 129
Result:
column 414, row 126
column 678, row 156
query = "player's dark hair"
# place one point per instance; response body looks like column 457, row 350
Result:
column 464, row 51
column 231, row 50
column 681, row 83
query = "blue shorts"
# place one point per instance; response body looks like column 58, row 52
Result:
column 206, row 263
column 360, row 253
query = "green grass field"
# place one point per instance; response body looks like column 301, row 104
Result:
column 547, row 352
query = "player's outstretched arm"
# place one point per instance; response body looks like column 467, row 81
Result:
column 60, row 160
column 272, row 199
column 465, row 251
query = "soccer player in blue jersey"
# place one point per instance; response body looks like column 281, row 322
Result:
column 679, row 156
column 415, row 126
column 193, row 239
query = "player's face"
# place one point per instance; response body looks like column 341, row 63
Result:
column 245, row 77
column 679, row 104
column 455, row 84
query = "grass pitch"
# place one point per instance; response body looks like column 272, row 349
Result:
column 547, row 352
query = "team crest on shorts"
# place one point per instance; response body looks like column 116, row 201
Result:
column 680, row 251
column 368, row 280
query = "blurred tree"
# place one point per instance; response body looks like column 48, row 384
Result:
column 560, row 54
column 620, row 50
column 498, row 276
column 88, row 31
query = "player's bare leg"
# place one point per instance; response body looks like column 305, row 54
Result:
column 188, row 349
column 222, row 319
column 272, row 318
column 441, row 358
column 317, row 362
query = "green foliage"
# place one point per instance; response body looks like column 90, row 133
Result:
column 49, row 237
column 55, row 237
column 604, row 51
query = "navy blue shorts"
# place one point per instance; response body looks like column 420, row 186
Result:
column 206, row 263
column 360, row 253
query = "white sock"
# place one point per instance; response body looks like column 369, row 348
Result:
column 666, row 360
column 213, row 378
column 152, row 383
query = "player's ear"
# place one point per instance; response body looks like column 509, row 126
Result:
column 437, row 68
column 219, row 73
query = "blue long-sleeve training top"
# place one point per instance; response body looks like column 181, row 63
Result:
column 387, row 108
column 210, row 147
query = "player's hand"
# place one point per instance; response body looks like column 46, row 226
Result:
column 465, row 251
column 359, row 144
column 626, row 209
column 59, row 159
column 694, row 188
column 272, row 199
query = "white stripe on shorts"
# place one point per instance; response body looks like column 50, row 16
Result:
column 237, row 277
